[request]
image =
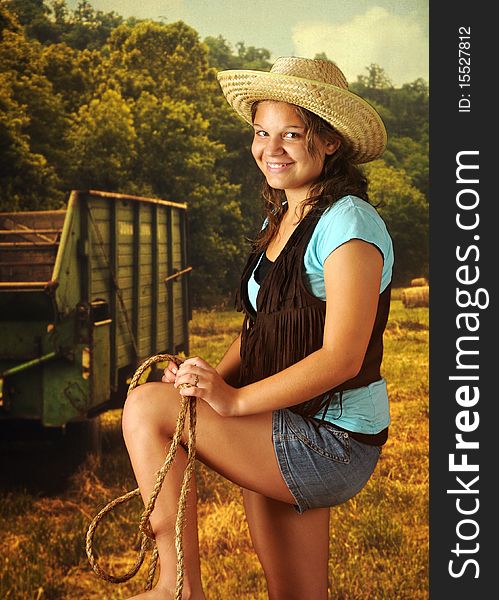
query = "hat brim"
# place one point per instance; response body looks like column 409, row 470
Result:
column 357, row 121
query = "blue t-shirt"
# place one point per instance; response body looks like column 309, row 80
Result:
column 363, row 409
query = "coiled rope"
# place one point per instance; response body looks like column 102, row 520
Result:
column 188, row 405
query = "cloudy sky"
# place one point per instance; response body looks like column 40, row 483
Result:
column 391, row 33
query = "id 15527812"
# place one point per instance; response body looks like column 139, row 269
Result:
column 464, row 69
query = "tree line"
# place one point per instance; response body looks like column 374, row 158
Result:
column 89, row 100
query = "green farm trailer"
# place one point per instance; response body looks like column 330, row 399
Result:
column 86, row 294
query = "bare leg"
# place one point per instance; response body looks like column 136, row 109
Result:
column 147, row 451
column 240, row 448
column 293, row 549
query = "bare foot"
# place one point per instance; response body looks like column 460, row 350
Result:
column 154, row 594
column 166, row 594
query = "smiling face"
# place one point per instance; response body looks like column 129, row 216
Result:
column 280, row 149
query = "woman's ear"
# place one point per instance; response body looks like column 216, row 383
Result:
column 331, row 147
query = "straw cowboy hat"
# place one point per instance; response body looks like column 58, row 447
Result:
column 320, row 87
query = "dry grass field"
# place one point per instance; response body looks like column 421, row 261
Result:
column 379, row 539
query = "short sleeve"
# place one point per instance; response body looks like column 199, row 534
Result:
column 349, row 218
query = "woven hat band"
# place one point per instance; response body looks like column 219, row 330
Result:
column 323, row 71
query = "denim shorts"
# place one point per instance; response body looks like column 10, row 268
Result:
column 321, row 464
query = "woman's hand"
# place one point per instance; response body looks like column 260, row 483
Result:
column 207, row 384
column 170, row 373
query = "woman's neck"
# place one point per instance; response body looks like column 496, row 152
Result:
column 297, row 208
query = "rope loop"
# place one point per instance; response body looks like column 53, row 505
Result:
column 187, row 406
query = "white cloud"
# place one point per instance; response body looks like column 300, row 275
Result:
column 396, row 43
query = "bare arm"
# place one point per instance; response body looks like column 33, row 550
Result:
column 228, row 367
column 352, row 275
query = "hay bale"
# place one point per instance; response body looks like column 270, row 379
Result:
column 419, row 282
column 414, row 297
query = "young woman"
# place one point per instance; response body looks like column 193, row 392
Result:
column 297, row 410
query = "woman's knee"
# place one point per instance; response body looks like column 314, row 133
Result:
column 142, row 410
column 134, row 405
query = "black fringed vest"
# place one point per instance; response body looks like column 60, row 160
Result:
column 289, row 322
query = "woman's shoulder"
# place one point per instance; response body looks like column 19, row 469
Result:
column 347, row 218
column 351, row 212
column 350, row 206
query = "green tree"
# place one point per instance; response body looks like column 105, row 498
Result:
column 163, row 59
column 27, row 181
column 404, row 111
column 410, row 105
column 34, row 16
column 70, row 79
column 376, row 78
column 85, row 28
column 405, row 212
column 174, row 153
column 413, row 157
column 321, row 56
column 253, row 58
column 8, row 20
column 33, row 123
column 216, row 241
column 221, row 54
column 102, row 144
column 52, row 22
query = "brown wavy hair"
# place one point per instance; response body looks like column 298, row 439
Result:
column 339, row 177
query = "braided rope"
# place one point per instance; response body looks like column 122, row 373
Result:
column 188, row 404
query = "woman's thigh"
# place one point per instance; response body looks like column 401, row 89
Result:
column 239, row 448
